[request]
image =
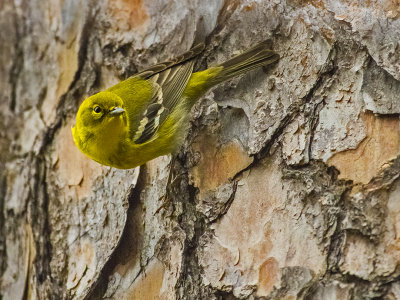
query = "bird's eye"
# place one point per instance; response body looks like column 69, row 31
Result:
column 97, row 109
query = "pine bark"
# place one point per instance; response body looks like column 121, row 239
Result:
column 286, row 186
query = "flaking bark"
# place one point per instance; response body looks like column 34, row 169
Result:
column 287, row 184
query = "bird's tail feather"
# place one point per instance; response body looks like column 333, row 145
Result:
column 253, row 58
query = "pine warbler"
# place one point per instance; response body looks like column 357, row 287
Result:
column 146, row 115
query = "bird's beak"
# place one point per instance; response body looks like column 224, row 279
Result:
column 116, row 111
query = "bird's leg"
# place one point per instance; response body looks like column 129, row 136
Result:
column 171, row 181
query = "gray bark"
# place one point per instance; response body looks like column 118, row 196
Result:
column 287, row 184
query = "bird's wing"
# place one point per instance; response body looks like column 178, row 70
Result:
column 168, row 81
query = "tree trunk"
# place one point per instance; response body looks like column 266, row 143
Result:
column 286, row 186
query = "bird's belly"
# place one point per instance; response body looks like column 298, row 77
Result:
column 127, row 154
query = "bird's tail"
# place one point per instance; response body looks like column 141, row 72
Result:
column 258, row 56
column 253, row 58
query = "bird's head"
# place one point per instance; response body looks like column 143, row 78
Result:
column 100, row 109
column 100, row 121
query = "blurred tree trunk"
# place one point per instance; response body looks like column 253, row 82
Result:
column 286, row 187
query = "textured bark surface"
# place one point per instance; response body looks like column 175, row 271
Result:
column 286, row 187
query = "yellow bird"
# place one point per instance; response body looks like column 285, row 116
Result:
column 146, row 115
